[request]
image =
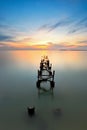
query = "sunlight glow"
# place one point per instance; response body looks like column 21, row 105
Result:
column 41, row 46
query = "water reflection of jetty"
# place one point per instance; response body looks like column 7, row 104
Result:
column 45, row 73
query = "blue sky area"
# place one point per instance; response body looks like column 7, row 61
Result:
column 55, row 24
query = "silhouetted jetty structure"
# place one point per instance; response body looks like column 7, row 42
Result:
column 45, row 73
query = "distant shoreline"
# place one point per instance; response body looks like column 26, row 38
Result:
column 38, row 50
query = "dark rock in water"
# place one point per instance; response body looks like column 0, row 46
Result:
column 58, row 112
column 31, row 111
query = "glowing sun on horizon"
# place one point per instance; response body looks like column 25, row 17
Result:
column 41, row 46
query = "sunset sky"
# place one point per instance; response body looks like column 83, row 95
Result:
column 43, row 24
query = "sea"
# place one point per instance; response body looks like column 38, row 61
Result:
column 18, row 90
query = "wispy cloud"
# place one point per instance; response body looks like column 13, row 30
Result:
column 9, row 46
column 50, row 27
column 60, row 46
column 6, row 46
column 83, row 21
column 83, row 42
column 66, row 46
column 79, row 26
column 82, row 48
column 73, row 25
column 5, row 38
column 10, row 33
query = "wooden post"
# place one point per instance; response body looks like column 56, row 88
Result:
column 53, row 75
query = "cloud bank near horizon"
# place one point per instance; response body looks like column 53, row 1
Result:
column 48, row 46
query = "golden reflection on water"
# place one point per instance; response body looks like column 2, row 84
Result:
column 31, row 57
column 61, row 59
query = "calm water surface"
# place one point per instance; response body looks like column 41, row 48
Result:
column 18, row 75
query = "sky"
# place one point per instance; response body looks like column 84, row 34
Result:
column 43, row 24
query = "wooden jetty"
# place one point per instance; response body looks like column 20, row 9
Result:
column 45, row 73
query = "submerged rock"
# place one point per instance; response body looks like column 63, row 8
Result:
column 58, row 112
column 31, row 111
